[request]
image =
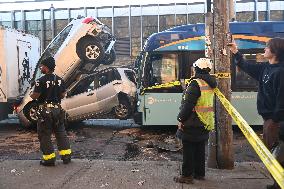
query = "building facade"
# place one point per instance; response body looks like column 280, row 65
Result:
column 132, row 24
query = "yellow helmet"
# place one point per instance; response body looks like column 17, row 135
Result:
column 203, row 63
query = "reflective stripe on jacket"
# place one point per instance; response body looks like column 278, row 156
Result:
column 204, row 107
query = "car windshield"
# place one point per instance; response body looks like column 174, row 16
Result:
column 52, row 49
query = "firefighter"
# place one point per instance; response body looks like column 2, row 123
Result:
column 195, row 120
column 48, row 91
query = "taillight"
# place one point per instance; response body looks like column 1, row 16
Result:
column 15, row 108
column 87, row 20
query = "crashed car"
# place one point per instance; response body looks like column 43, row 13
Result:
column 80, row 47
column 107, row 91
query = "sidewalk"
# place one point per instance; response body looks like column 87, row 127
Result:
column 87, row 174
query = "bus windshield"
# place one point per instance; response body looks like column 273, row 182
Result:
column 161, row 68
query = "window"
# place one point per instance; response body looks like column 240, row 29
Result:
column 58, row 40
column 52, row 49
column 241, row 80
column 161, row 68
column 108, row 76
column 85, row 85
column 130, row 75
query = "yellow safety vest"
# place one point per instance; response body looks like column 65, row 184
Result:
column 204, row 107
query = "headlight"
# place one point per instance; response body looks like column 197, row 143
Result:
column 138, row 102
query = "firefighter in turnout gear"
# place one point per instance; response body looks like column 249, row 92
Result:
column 48, row 91
column 195, row 120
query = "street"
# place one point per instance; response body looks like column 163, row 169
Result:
column 110, row 140
column 107, row 149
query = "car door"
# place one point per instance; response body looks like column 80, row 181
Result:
column 107, row 96
column 81, row 98
column 91, row 96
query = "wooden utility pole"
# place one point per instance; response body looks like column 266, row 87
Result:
column 212, row 143
column 225, row 158
column 232, row 13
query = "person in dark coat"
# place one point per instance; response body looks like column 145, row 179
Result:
column 270, row 101
column 195, row 120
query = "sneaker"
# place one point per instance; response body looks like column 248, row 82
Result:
column 199, row 177
column 184, row 179
column 47, row 163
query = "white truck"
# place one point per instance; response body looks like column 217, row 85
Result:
column 19, row 54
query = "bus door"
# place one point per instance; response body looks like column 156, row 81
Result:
column 161, row 101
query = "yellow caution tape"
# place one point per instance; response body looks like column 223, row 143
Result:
column 221, row 75
column 164, row 85
column 177, row 83
column 267, row 158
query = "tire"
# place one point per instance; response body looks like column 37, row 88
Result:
column 30, row 112
column 123, row 110
column 109, row 58
column 90, row 50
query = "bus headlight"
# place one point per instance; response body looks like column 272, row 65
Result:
column 138, row 102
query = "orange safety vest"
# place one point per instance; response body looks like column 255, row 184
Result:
column 204, row 107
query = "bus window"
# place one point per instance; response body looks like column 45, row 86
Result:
column 164, row 68
column 242, row 81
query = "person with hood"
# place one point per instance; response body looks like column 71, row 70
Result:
column 270, row 101
column 195, row 120
column 48, row 91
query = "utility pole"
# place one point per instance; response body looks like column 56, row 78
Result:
column 212, row 143
column 225, row 158
column 232, row 11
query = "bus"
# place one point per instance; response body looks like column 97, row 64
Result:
column 167, row 58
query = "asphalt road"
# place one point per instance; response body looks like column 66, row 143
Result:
column 110, row 140
column 117, row 154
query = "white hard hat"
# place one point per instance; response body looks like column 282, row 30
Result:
column 203, row 63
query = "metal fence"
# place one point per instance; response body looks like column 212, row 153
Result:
column 132, row 24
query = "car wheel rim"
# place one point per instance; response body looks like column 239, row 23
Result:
column 121, row 111
column 33, row 113
column 92, row 52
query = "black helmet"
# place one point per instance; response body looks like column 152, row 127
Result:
column 49, row 62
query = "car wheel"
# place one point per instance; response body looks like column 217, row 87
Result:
column 90, row 50
column 123, row 110
column 109, row 58
column 31, row 112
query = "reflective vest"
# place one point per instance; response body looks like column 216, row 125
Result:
column 204, row 107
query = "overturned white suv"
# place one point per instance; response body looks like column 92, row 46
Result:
column 80, row 47
column 110, row 91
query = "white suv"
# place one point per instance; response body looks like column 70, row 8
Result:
column 81, row 46
column 110, row 90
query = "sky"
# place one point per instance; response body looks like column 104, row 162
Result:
column 6, row 5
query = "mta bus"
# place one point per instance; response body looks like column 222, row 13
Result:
column 167, row 58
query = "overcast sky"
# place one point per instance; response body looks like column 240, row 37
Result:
column 79, row 3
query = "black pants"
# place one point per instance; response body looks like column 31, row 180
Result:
column 193, row 158
column 52, row 120
column 270, row 133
